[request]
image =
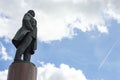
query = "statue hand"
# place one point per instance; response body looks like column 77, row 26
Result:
column 32, row 52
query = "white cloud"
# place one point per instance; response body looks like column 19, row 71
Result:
column 50, row 72
column 114, row 10
column 3, row 75
column 54, row 16
column 3, row 53
column 64, row 72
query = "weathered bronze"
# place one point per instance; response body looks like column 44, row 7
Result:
column 25, row 39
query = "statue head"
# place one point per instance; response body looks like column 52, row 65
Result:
column 32, row 13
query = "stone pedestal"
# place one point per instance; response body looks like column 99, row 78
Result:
column 22, row 71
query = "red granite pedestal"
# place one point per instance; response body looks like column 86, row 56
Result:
column 22, row 71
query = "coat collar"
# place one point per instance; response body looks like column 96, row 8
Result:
column 30, row 15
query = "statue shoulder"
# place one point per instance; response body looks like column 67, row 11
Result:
column 26, row 17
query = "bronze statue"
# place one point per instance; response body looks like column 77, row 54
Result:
column 25, row 39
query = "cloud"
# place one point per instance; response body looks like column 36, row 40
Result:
column 57, row 19
column 64, row 72
column 3, row 75
column 3, row 53
column 114, row 10
column 50, row 72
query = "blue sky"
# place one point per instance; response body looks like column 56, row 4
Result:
column 73, row 35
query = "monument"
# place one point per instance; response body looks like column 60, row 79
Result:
column 25, row 42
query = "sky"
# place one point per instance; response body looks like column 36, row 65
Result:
column 76, row 40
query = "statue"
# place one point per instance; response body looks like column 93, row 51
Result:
column 25, row 39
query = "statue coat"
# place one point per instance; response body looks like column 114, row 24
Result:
column 28, row 26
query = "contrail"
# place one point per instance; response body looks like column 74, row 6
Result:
column 109, row 52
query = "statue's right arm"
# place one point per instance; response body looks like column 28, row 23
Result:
column 26, row 22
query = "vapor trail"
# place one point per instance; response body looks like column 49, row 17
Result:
column 109, row 52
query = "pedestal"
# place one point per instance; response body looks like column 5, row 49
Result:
column 22, row 71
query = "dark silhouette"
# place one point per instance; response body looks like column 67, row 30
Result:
column 25, row 39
